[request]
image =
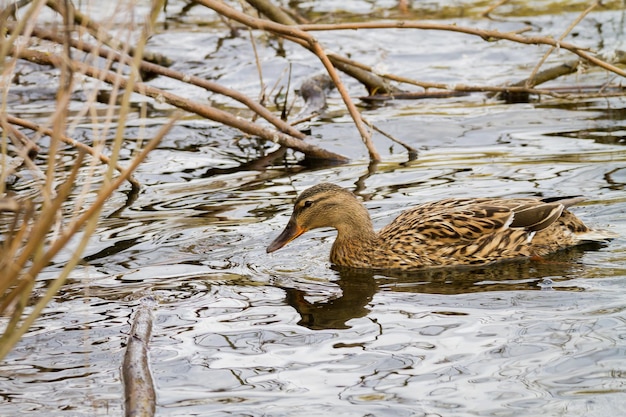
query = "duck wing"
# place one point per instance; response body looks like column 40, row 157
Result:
column 470, row 219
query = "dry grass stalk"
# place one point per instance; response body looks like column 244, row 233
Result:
column 35, row 229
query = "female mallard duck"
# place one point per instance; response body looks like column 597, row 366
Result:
column 455, row 231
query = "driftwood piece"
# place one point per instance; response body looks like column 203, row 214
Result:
column 139, row 392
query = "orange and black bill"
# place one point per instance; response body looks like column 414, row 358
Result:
column 291, row 232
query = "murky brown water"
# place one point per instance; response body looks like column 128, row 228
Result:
column 240, row 332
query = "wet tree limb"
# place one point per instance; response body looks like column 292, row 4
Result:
column 283, row 25
column 139, row 392
column 285, row 136
column 516, row 88
column 372, row 82
column 208, row 112
column 171, row 73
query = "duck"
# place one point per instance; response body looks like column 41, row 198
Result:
column 445, row 233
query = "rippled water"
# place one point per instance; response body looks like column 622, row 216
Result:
column 240, row 332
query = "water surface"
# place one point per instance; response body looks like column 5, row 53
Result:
column 239, row 332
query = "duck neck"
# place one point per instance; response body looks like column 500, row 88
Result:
column 357, row 227
column 356, row 239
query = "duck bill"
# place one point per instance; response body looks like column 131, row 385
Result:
column 291, row 232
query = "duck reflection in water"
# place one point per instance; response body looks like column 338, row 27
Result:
column 358, row 287
column 448, row 247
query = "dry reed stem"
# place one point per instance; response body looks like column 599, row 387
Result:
column 72, row 142
column 129, row 83
column 9, row 339
column 39, row 232
column 26, row 281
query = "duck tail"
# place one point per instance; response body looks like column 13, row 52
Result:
column 596, row 235
column 565, row 201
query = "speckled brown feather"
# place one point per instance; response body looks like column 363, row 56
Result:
column 449, row 232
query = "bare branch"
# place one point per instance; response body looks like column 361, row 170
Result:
column 486, row 34
column 209, row 112
column 293, row 32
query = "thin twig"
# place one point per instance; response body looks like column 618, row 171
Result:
column 259, row 68
column 370, row 80
column 493, row 7
column 412, row 152
column 530, row 82
column 312, row 43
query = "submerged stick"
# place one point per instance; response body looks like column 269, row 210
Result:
column 139, row 393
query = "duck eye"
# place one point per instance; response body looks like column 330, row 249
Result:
column 308, row 203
